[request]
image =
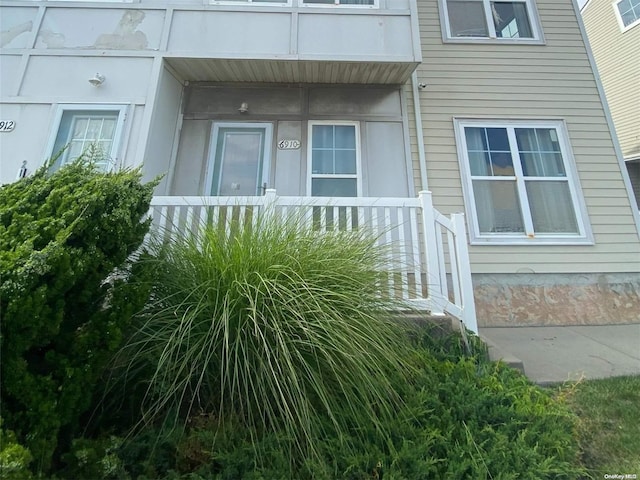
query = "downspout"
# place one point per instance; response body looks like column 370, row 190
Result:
column 422, row 158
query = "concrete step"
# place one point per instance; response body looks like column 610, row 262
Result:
column 499, row 354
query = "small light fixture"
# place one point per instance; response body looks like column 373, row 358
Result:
column 244, row 107
column 97, row 80
column 422, row 86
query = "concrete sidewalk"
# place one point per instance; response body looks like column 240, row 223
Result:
column 556, row 354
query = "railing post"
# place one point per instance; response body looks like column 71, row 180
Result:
column 434, row 288
column 269, row 205
column 464, row 273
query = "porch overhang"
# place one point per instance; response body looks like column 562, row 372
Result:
column 292, row 70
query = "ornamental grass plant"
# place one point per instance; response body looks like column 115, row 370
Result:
column 273, row 327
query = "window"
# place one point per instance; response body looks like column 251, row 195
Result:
column 519, row 183
column 628, row 12
column 348, row 3
column 82, row 128
column 256, row 2
column 334, row 158
column 490, row 20
column 93, row 1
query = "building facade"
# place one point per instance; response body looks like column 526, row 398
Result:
column 493, row 106
column 613, row 29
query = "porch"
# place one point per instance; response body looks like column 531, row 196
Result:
column 427, row 260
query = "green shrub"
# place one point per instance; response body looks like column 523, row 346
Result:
column 95, row 459
column 275, row 326
column 61, row 236
column 461, row 418
column 14, row 458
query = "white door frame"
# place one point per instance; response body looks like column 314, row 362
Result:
column 266, row 160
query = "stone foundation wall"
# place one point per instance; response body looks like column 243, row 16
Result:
column 556, row 299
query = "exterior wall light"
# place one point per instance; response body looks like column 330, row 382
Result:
column 97, row 80
column 244, row 107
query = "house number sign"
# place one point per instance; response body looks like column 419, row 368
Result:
column 287, row 144
column 7, row 125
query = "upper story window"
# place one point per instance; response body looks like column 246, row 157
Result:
column 519, row 182
column 348, row 3
column 490, row 20
column 334, row 152
column 96, row 1
column 252, row 2
column 310, row 3
column 628, row 13
column 88, row 128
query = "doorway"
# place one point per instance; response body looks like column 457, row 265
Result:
column 239, row 157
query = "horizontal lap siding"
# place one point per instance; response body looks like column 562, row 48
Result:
column 617, row 55
column 551, row 81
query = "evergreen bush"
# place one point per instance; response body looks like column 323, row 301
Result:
column 14, row 458
column 462, row 418
column 62, row 235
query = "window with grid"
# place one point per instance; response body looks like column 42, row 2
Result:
column 518, row 182
column 490, row 19
column 251, row 2
column 334, row 154
column 628, row 12
column 88, row 131
column 348, row 3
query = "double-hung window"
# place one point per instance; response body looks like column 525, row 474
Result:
column 88, row 129
column 628, row 13
column 93, row 1
column 490, row 20
column 348, row 3
column 519, row 182
column 251, row 2
column 334, row 156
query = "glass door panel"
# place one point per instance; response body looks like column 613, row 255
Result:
column 239, row 163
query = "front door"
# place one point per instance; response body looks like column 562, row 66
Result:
column 239, row 159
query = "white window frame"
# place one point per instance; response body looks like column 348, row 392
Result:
column 532, row 12
column 253, row 3
column 623, row 28
column 528, row 237
column 121, row 109
column 311, row 175
column 96, row 1
column 337, row 4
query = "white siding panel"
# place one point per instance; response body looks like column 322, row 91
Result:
column 9, row 74
column 13, row 149
column 67, row 78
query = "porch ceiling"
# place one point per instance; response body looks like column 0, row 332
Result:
column 291, row 71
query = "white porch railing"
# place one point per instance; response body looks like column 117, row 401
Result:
column 427, row 260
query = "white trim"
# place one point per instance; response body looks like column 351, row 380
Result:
column 529, row 237
column 532, row 13
column 358, row 174
column 584, row 6
column 422, row 156
column 623, row 27
column 337, row 4
column 94, row 1
column 266, row 155
column 119, row 134
column 253, row 3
